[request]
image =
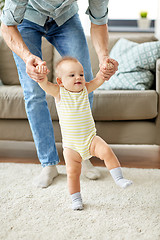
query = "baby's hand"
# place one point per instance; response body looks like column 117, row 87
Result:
column 108, row 67
column 42, row 69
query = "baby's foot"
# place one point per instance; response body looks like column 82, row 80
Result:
column 46, row 176
column 124, row 183
column 116, row 173
column 89, row 171
column 77, row 201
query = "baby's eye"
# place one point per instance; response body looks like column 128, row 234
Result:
column 72, row 75
column 81, row 75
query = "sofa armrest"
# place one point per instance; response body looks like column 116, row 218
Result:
column 157, row 134
column 158, row 76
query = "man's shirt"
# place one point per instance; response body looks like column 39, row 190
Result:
column 37, row 11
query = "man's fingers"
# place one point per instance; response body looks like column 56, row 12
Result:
column 108, row 68
column 112, row 71
column 36, row 68
column 109, row 63
column 42, row 69
column 115, row 63
column 34, row 73
column 106, row 75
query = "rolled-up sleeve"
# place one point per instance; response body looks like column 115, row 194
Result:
column 13, row 12
column 98, row 11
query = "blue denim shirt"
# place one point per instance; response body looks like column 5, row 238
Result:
column 37, row 11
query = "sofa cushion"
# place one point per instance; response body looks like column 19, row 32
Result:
column 124, row 105
column 134, row 56
column 8, row 70
column 135, row 37
column 107, row 105
column 48, row 55
column 12, row 103
column 113, row 38
column 137, row 64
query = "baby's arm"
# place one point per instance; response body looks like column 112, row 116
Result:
column 48, row 87
column 98, row 80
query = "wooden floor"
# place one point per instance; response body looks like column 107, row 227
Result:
column 127, row 162
column 129, row 156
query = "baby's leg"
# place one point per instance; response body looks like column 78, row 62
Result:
column 73, row 165
column 100, row 149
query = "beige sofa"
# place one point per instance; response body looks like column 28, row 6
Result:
column 121, row 116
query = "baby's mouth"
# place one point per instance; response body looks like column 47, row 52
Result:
column 78, row 83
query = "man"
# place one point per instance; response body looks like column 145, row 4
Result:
column 24, row 23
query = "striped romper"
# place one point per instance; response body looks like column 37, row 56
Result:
column 76, row 121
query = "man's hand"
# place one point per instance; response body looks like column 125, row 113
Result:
column 32, row 69
column 108, row 67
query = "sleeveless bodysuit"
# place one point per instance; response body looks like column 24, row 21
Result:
column 76, row 121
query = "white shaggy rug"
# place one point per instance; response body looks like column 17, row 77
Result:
column 110, row 213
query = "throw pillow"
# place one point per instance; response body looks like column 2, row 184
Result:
column 137, row 65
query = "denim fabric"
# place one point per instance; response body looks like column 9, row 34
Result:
column 60, row 10
column 69, row 40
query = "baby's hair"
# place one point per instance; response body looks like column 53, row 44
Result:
column 66, row 58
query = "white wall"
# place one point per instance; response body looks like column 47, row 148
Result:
column 130, row 9
column 83, row 4
column 157, row 25
column 121, row 9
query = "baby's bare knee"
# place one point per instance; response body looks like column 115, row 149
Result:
column 73, row 171
column 105, row 152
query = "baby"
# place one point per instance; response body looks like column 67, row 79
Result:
column 78, row 130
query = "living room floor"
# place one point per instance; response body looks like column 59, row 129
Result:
column 132, row 156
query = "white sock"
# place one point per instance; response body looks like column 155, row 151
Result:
column 77, row 201
column 46, row 176
column 116, row 173
column 89, row 171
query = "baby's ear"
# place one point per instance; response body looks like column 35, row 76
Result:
column 59, row 81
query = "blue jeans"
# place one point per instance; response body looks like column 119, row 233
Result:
column 69, row 40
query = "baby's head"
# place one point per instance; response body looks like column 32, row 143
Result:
column 70, row 75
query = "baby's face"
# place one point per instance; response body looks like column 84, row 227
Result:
column 72, row 76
